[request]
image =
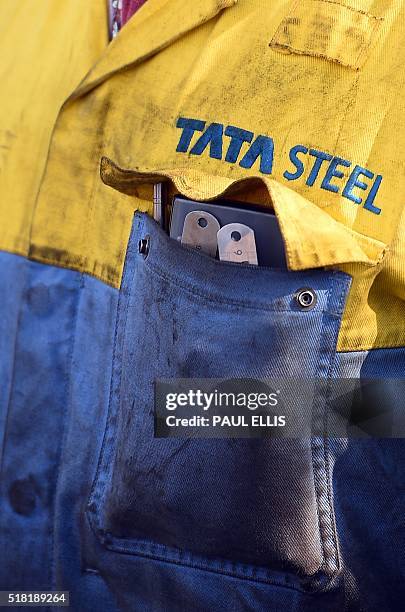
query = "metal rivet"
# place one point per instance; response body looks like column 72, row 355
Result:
column 144, row 246
column 306, row 298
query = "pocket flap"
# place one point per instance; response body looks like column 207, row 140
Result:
column 312, row 238
column 329, row 29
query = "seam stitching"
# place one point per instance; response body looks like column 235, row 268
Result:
column 355, row 65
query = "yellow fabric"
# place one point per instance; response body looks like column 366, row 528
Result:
column 328, row 78
column 46, row 49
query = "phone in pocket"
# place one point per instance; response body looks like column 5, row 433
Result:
column 211, row 226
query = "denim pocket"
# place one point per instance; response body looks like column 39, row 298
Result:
column 258, row 509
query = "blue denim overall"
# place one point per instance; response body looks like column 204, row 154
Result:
column 92, row 503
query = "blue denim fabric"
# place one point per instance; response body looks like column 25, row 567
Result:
column 91, row 503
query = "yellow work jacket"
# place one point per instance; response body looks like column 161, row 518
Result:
column 294, row 104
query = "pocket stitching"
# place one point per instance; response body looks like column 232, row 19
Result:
column 210, row 298
column 98, row 486
column 356, row 64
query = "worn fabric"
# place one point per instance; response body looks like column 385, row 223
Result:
column 295, row 106
column 178, row 56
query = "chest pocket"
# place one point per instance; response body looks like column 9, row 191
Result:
column 257, row 509
column 332, row 30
